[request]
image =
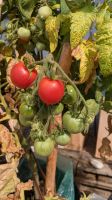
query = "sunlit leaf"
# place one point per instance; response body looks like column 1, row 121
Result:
column 80, row 24
column 52, row 28
column 86, row 53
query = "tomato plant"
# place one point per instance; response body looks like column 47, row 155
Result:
column 21, row 77
column 73, row 124
column 69, row 43
column 50, row 91
column 44, row 148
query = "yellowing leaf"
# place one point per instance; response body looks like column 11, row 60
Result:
column 52, row 28
column 104, row 46
column 86, row 53
column 80, row 24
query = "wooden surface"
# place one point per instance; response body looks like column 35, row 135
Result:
column 87, row 178
column 104, row 137
column 103, row 193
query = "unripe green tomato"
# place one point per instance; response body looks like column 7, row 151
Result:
column 44, row 148
column 33, row 28
column 26, row 111
column 44, row 12
column 63, row 139
column 40, row 46
column 24, row 33
column 72, row 124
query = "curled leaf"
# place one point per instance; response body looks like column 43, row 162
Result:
column 75, row 4
column 52, row 28
column 26, row 7
column 9, row 143
column 86, row 53
column 80, row 24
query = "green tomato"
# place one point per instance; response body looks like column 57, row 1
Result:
column 24, row 33
column 44, row 12
column 40, row 46
column 71, row 96
column 44, row 148
column 58, row 109
column 23, row 121
column 71, row 124
column 33, row 28
column 26, row 111
column 63, row 139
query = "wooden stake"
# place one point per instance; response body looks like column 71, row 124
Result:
column 52, row 161
column 51, row 173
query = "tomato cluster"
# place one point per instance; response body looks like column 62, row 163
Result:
column 50, row 91
column 54, row 95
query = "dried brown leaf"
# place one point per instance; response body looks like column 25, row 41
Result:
column 10, row 143
column 8, row 179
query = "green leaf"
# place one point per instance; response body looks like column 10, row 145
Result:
column 10, row 3
column 75, row 4
column 26, row 7
column 107, row 106
column 64, row 8
column 64, row 24
column 80, row 24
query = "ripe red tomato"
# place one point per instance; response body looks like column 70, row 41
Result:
column 50, row 91
column 21, row 77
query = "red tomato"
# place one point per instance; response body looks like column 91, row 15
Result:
column 50, row 91
column 21, row 77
